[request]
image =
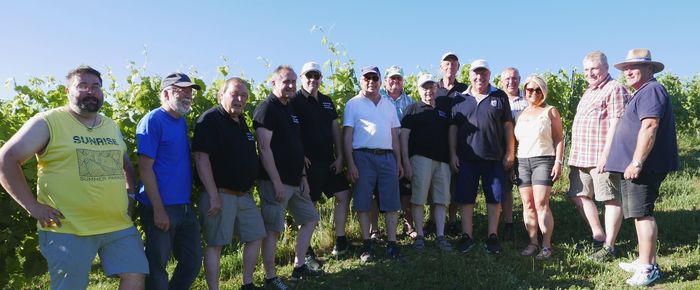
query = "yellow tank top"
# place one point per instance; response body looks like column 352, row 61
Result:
column 80, row 173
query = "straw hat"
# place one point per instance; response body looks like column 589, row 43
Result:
column 640, row 55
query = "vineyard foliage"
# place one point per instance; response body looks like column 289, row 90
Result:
column 19, row 256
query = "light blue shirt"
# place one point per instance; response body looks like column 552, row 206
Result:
column 401, row 103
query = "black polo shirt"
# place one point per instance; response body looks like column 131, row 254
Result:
column 231, row 149
column 429, row 127
column 481, row 135
column 286, row 143
column 316, row 117
column 454, row 94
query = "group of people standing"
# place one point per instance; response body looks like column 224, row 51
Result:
column 393, row 154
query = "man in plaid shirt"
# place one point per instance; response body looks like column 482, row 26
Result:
column 594, row 125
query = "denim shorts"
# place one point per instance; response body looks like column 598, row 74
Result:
column 639, row 195
column 535, row 171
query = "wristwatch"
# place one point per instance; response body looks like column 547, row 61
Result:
column 637, row 163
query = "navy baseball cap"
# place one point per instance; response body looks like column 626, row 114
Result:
column 178, row 79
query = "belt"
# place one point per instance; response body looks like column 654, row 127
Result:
column 375, row 151
column 232, row 192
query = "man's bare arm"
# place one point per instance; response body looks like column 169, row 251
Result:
column 31, row 139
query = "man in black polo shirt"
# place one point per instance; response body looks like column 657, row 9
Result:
column 320, row 135
column 451, row 88
column 482, row 147
column 227, row 165
column 423, row 136
column 283, row 182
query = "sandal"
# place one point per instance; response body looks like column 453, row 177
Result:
column 545, row 254
column 530, row 250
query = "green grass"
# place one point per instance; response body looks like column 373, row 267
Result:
column 679, row 251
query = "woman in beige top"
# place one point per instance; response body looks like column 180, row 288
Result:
column 538, row 131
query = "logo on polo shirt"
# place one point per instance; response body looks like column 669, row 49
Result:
column 327, row 106
column 494, row 103
column 250, row 136
column 295, row 119
column 442, row 114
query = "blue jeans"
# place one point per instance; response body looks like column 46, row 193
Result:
column 182, row 240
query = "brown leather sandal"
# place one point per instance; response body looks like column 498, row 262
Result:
column 530, row 250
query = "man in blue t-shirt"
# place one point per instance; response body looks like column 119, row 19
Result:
column 168, row 219
column 644, row 149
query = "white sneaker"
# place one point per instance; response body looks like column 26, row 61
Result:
column 644, row 277
column 630, row 267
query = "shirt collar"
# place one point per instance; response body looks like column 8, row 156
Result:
column 603, row 83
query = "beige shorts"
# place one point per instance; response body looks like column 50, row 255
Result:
column 430, row 177
column 588, row 182
column 302, row 209
column 239, row 214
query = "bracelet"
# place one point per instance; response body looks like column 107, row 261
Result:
column 560, row 162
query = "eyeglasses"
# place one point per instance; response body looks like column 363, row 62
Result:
column 313, row 75
column 179, row 90
column 83, row 87
column 371, row 78
column 531, row 90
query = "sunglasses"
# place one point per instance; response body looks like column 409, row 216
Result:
column 371, row 78
column 313, row 75
column 531, row 90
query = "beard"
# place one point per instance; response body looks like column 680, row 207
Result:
column 182, row 108
column 90, row 104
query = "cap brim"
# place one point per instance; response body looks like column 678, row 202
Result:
column 478, row 67
column 394, row 74
column 658, row 67
column 187, row 85
column 425, row 82
column 306, row 71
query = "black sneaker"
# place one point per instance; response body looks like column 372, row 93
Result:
column 492, row 245
column 276, row 284
column 465, row 243
column 251, row 286
column 341, row 246
column 393, row 252
column 303, row 272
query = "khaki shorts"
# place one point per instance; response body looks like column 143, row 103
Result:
column 430, row 176
column 302, row 209
column 588, row 182
column 238, row 214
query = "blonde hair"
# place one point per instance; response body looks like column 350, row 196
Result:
column 540, row 82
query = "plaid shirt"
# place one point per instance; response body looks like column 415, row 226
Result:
column 605, row 101
column 517, row 105
column 401, row 103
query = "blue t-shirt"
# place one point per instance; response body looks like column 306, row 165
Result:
column 650, row 101
column 164, row 139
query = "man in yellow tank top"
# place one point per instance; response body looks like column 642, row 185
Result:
column 82, row 208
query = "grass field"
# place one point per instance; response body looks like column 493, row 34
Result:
column 679, row 251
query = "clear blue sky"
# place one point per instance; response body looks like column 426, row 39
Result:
column 48, row 38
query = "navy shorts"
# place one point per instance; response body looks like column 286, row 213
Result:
column 639, row 195
column 492, row 176
column 376, row 171
column 323, row 180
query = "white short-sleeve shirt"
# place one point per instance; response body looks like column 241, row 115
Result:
column 372, row 124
